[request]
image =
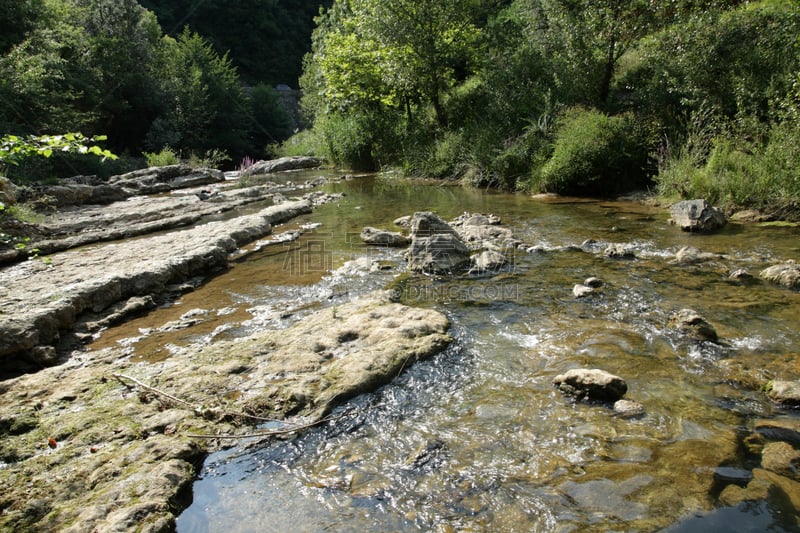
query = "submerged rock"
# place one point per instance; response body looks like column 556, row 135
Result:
column 689, row 255
column 619, row 251
column 782, row 459
column 690, row 322
column 628, row 409
column 785, row 393
column 591, row 384
column 381, row 237
column 786, row 275
column 696, row 215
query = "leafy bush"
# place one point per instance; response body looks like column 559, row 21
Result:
column 740, row 172
column 167, row 156
column 213, row 158
column 736, row 62
column 593, row 154
column 306, row 142
column 364, row 140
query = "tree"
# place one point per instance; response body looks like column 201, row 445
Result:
column 396, row 52
column 17, row 19
column 206, row 107
column 267, row 39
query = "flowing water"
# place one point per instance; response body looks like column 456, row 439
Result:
column 477, row 438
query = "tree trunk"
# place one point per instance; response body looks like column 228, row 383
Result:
column 608, row 72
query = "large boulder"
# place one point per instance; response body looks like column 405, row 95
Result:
column 426, row 224
column 591, row 384
column 441, row 253
column 786, row 274
column 697, row 215
column 283, row 164
column 483, row 232
column 381, row 237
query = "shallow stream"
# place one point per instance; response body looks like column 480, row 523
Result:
column 477, row 438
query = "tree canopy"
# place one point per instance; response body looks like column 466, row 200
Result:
column 498, row 91
column 107, row 67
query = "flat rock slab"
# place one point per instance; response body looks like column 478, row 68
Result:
column 283, row 164
column 87, row 450
column 43, row 300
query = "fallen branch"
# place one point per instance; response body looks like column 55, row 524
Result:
column 197, row 409
column 120, row 377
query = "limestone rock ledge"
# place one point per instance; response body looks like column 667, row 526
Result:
column 83, row 451
column 41, row 302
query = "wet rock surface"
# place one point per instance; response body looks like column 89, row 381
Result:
column 786, row 274
column 123, row 457
column 591, row 384
column 472, row 241
column 689, row 322
column 98, row 440
column 381, row 237
column 697, row 215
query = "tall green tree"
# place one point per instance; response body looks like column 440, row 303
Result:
column 267, row 39
column 206, row 107
column 396, row 52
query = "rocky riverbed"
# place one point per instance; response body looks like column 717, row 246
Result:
column 107, row 439
column 98, row 441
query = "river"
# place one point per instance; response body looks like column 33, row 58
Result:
column 478, row 438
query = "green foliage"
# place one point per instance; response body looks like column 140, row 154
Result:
column 266, row 39
column 351, row 139
column 593, row 153
column 14, row 148
column 213, row 158
column 738, row 62
column 306, row 142
column 167, row 156
column 210, row 110
column 739, row 172
column 369, row 53
column 271, row 122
